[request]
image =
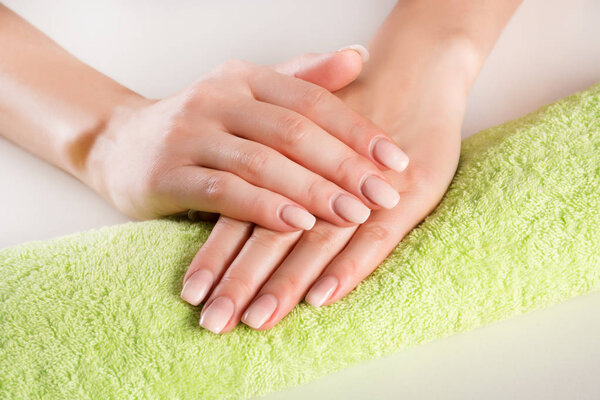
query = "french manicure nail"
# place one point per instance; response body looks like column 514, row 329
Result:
column 390, row 155
column 351, row 209
column 360, row 49
column 321, row 291
column 380, row 192
column 196, row 286
column 297, row 217
column 217, row 315
column 260, row 311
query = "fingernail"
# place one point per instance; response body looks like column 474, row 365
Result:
column 380, row 192
column 321, row 291
column 389, row 155
column 360, row 49
column 217, row 315
column 297, row 217
column 196, row 286
column 260, row 311
column 351, row 209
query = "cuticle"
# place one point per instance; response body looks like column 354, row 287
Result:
column 373, row 143
column 372, row 205
column 280, row 210
column 333, row 200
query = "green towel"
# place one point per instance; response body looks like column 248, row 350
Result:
column 97, row 315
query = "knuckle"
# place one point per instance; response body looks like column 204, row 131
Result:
column 314, row 97
column 350, row 269
column 293, row 130
column 273, row 240
column 350, row 164
column 177, row 132
column 229, row 77
column 231, row 224
column 213, row 186
column 155, row 181
column 360, row 125
column 316, row 189
column 376, row 233
column 199, row 98
column 287, row 285
column 193, row 95
column 322, row 238
column 254, row 162
column 244, row 288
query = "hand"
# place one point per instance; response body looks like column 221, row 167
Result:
column 243, row 142
column 424, row 113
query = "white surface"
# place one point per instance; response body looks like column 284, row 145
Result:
column 550, row 49
column 548, row 354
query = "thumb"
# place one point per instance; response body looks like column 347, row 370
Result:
column 331, row 71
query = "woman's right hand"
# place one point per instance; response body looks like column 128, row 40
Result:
column 254, row 143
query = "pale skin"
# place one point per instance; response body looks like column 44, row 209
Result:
column 240, row 141
column 395, row 130
column 430, row 53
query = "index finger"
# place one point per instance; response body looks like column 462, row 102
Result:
column 370, row 245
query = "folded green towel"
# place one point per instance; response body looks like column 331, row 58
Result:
column 98, row 315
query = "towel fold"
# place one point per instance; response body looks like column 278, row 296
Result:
column 97, row 315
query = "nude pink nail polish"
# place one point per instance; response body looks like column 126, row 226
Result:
column 389, row 154
column 351, row 209
column 321, row 291
column 297, row 217
column 196, row 287
column 380, row 192
column 217, row 315
column 260, row 311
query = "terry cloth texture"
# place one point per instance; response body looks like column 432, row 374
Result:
column 97, row 315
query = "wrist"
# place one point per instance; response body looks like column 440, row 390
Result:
column 473, row 21
column 86, row 152
column 457, row 35
column 420, row 45
column 430, row 78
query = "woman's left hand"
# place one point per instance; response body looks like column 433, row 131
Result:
column 258, row 275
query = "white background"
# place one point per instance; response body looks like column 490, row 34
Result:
column 550, row 49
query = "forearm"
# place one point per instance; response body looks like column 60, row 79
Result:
column 421, row 25
column 51, row 104
column 434, row 47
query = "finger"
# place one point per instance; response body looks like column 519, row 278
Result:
column 289, row 283
column 370, row 245
column 261, row 254
column 198, row 188
column 216, row 254
column 330, row 113
column 262, row 166
column 300, row 139
column 331, row 71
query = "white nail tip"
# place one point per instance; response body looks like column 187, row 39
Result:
column 360, row 49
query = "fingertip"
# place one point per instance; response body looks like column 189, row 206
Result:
column 346, row 64
column 358, row 48
column 297, row 217
column 350, row 209
column 260, row 311
column 321, row 291
column 389, row 154
column 197, row 286
column 333, row 70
